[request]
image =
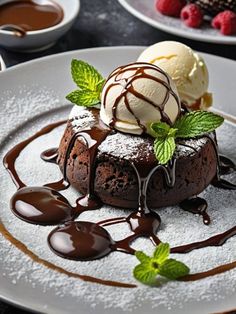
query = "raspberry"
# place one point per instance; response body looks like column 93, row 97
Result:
column 226, row 22
column 170, row 7
column 192, row 15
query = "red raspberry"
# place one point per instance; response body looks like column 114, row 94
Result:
column 226, row 22
column 192, row 15
column 170, row 7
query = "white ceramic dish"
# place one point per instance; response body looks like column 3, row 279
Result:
column 145, row 11
column 30, row 101
column 2, row 64
column 45, row 38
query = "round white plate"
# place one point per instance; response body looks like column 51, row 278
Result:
column 32, row 95
column 2, row 64
column 145, row 11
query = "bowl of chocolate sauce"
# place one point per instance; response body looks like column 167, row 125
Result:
column 34, row 25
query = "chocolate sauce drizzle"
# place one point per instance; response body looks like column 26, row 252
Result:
column 139, row 68
column 197, row 205
column 85, row 240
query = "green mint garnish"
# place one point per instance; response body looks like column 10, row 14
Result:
column 197, row 123
column 164, row 149
column 89, row 81
column 159, row 264
column 193, row 124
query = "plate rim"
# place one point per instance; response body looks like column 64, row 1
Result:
column 228, row 40
column 119, row 47
column 8, row 298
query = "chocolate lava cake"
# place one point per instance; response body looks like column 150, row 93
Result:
column 116, row 182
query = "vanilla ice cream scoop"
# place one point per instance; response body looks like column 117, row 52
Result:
column 185, row 67
column 136, row 95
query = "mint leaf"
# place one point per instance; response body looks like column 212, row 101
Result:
column 197, row 123
column 83, row 98
column 86, row 76
column 173, row 269
column 145, row 273
column 160, row 129
column 161, row 253
column 89, row 81
column 142, row 257
column 164, row 149
column 150, row 267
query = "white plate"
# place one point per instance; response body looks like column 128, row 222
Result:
column 2, row 64
column 145, row 11
column 33, row 94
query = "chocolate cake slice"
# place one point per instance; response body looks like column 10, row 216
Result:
column 115, row 181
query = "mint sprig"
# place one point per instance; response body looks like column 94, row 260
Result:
column 159, row 264
column 193, row 124
column 197, row 123
column 89, row 81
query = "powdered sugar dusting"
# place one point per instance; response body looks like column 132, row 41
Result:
column 124, row 145
column 178, row 227
column 81, row 118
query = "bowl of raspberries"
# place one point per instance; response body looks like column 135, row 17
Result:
column 220, row 14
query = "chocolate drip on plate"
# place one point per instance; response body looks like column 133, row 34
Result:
column 93, row 137
column 41, row 205
column 223, row 184
column 227, row 166
column 224, row 164
column 196, row 205
column 50, row 155
column 10, row 158
column 216, row 240
column 80, row 240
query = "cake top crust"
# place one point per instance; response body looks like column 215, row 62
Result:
column 130, row 147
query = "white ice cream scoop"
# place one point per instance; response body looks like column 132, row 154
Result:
column 136, row 95
column 185, row 67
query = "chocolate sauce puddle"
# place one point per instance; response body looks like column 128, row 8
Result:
column 196, row 205
column 41, row 205
column 87, row 241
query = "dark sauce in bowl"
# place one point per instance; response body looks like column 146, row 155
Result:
column 31, row 15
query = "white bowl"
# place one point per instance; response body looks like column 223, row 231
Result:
column 42, row 39
column 2, row 64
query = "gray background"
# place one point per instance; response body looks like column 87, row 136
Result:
column 106, row 23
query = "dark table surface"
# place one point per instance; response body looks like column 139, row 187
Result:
column 106, row 23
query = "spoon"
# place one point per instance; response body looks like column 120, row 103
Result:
column 17, row 30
